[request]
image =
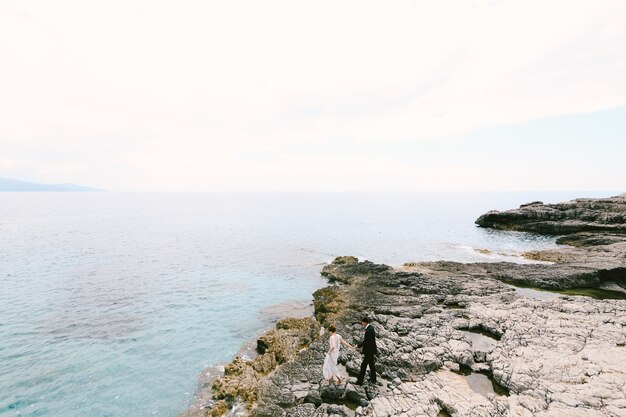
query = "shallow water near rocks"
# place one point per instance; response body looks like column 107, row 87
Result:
column 480, row 341
column 484, row 384
column 481, row 382
column 595, row 293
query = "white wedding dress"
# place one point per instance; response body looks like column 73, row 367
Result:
column 330, row 363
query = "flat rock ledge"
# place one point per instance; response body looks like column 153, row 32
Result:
column 591, row 216
column 442, row 325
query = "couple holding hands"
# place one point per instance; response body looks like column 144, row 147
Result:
column 369, row 351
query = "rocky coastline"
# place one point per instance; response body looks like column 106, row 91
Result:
column 459, row 339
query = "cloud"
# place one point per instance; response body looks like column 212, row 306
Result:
column 123, row 93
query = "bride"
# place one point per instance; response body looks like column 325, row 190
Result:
column 330, row 363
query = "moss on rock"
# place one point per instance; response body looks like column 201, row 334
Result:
column 328, row 301
column 282, row 344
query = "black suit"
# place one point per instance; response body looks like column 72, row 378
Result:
column 369, row 351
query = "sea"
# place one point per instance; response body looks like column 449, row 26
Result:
column 114, row 304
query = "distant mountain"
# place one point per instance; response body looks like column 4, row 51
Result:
column 7, row 184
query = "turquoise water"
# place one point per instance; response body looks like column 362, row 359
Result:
column 111, row 304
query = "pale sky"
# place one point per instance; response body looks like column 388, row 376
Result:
column 147, row 95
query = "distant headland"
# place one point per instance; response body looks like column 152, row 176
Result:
column 7, row 184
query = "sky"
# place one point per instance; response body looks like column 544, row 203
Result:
column 475, row 95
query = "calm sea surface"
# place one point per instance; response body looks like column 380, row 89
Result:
column 112, row 304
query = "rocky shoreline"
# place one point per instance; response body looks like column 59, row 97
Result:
column 458, row 339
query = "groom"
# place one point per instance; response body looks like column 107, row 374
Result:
column 369, row 351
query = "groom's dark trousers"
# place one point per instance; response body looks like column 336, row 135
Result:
column 368, row 360
column 369, row 354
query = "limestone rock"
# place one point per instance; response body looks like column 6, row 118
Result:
column 440, row 323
